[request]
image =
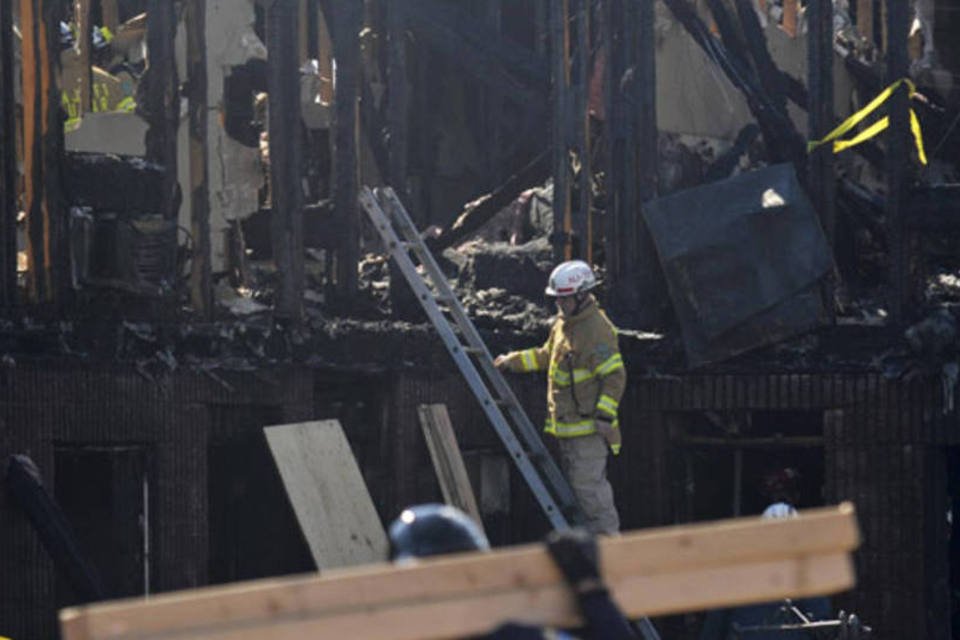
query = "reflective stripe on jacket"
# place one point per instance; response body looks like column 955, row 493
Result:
column 585, row 372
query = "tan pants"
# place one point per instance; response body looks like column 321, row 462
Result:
column 583, row 460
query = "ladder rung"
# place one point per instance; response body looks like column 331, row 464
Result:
column 474, row 350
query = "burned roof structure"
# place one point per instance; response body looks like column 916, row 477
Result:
column 183, row 261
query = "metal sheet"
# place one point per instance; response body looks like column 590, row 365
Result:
column 736, row 251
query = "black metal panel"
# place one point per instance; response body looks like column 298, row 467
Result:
column 736, row 255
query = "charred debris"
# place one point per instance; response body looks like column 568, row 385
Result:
column 144, row 228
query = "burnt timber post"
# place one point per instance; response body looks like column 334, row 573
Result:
column 161, row 108
column 82, row 16
column 582, row 243
column 620, row 151
column 8, row 163
column 631, row 159
column 562, row 122
column 346, row 19
column 902, row 287
column 201, row 292
column 286, row 207
column 822, row 185
column 42, row 149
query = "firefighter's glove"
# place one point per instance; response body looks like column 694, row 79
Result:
column 610, row 433
column 575, row 552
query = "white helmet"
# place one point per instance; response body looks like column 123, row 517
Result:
column 570, row 278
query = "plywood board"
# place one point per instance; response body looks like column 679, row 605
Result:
column 653, row 572
column 447, row 461
column 328, row 494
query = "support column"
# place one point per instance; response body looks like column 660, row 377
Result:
column 583, row 240
column 902, row 289
column 283, row 87
column 822, row 185
column 43, row 148
column 161, row 104
column 8, row 163
column 347, row 20
column 82, row 16
column 562, row 123
column 201, row 292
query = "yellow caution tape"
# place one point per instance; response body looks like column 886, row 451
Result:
column 876, row 127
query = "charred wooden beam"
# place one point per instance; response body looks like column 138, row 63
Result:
column 43, row 147
column 283, row 87
column 902, row 294
column 82, row 17
column 581, row 218
column 821, row 184
column 8, row 162
column 784, row 143
column 771, row 77
column 346, row 17
column 161, row 100
column 397, row 100
column 201, row 291
column 560, row 126
column 110, row 14
column 482, row 210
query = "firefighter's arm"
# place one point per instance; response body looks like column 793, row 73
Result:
column 527, row 360
column 608, row 367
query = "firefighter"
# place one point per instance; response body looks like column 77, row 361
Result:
column 585, row 380
column 435, row 529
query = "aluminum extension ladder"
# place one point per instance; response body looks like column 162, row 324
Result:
column 494, row 394
column 468, row 350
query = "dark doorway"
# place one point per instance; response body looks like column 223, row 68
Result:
column 104, row 493
column 724, row 458
column 253, row 530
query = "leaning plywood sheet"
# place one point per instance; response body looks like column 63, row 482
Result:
column 447, row 461
column 649, row 573
column 328, row 494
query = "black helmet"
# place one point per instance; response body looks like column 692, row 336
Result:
column 434, row 529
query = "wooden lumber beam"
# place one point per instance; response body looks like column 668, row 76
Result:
column 653, row 572
column 283, row 86
column 480, row 211
column 447, row 461
column 8, row 162
column 328, row 494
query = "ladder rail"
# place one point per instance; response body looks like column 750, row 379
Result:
column 457, row 311
column 552, row 510
column 527, row 432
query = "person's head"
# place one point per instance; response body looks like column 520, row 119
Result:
column 782, row 485
column 434, row 529
column 570, row 283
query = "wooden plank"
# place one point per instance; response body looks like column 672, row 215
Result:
column 447, row 461
column 328, row 494
column 654, row 572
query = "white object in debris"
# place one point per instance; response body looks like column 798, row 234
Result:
column 771, row 198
